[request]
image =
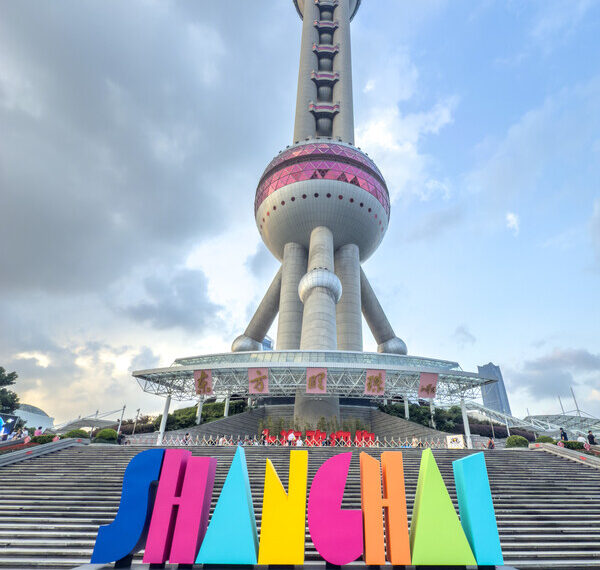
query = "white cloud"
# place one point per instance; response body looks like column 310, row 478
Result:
column 512, row 223
column 393, row 141
column 558, row 17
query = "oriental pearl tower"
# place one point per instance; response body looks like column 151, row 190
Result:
column 322, row 208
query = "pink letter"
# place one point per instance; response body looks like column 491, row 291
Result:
column 180, row 515
column 337, row 534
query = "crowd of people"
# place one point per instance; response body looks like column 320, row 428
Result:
column 21, row 433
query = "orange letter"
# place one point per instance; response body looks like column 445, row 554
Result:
column 394, row 502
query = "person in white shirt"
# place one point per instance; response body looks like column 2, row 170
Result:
column 291, row 438
column 299, row 442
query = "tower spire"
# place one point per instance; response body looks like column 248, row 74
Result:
column 324, row 106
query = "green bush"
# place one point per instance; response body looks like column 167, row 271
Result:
column 575, row 445
column 516, row 441
column 77, row 433
column 545, row 439
column 42, row 438
column 106, row 436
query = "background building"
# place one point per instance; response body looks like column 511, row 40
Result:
column 494, row 395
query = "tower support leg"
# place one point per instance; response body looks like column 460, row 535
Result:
column 465, row 418
column 406, row 409
column 262, row 320
column 348, row 315
column 386, row 339
column 226, row 410
column 199, row 411
column 163, row 421
column 289, row 328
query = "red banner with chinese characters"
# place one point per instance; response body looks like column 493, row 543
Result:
column 316, row 380
column 203, row 382
column 258, row 380
column 428, row 385
column 375, row 383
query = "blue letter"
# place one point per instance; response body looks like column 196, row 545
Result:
column 127, row 533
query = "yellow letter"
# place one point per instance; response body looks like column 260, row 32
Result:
column 282, row 527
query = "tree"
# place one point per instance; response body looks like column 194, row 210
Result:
column 9, row 401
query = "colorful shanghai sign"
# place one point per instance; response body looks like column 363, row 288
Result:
column 203, row 382
column 316, row 380
column 428, row 385
column 258, row 380
column 375, row 382
column 173, row 523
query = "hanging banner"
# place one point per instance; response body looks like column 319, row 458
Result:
column 375, row 383
column 258, row 380
column 203, row 382
column 316, row 380
column 428, row 385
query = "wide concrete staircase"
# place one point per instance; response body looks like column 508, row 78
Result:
column 249, row 422
column 548, row 507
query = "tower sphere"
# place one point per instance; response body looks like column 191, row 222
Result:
column 317, row 183
column 354, row 5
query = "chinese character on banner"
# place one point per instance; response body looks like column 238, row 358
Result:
column 203, row 381
column 258, row 380
column 316, row 380
column 375, row 383
column 428, row 385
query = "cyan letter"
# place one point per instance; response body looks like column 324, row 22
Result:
column 231, row 537
column 127, row 533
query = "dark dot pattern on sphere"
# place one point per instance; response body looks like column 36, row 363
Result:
column 340, row 197
column 316, row 194
column 304, row 196
column 328, row 195
column 293, row 198
column 283, row 202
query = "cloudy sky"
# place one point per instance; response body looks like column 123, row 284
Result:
column 132, row 136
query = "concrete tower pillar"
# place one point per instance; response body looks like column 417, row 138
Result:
column 291, row 308
column 343, row 124
column 304, row 125
column 320, row 290
column 348, row 310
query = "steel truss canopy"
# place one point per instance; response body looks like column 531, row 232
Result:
column 346, row 374
column 578, row 424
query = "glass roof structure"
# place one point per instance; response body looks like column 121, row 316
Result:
column 346, row 373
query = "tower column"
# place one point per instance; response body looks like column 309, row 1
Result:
column 348, row 311
column 304, row 125
column 343, row 125
column 289, row 328
column 320, row 289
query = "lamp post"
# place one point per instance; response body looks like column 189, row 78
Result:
column 121, row 421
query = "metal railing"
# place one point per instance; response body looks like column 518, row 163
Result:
column 179, row 440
